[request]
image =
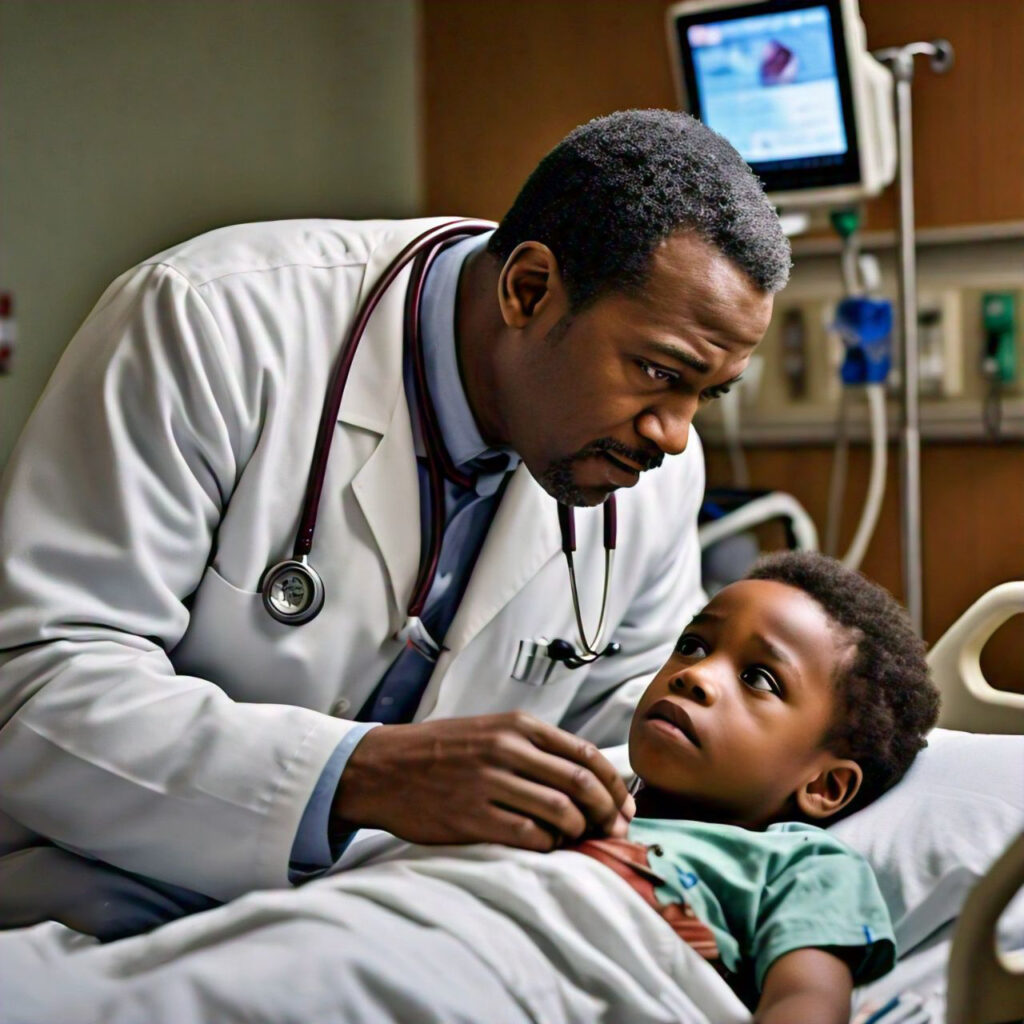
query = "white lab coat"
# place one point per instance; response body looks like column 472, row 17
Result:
column 153, row 714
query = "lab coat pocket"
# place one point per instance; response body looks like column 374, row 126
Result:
column 233, row 641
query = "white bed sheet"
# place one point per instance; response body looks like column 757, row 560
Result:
column 476, row 934
column 490, row 934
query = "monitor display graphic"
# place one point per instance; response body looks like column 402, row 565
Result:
column 770, row 85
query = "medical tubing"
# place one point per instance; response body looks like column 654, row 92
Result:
column 590, row 647
column 849, row 256
column 837, row 478
column 876, row 484
column 332, row 403
column 846, row 223
column 590, row 651
column 609, row 562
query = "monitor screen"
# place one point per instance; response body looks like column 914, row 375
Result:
column 776, row 84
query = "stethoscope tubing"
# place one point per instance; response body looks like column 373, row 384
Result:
column 332, row 403
column 421, row 252
column 439, row 463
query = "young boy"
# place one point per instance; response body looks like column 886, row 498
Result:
column 795, row 696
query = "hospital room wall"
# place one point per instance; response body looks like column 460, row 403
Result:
column 503, row 82
column 129, row 125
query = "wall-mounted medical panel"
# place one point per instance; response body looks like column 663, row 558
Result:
column 797, row 392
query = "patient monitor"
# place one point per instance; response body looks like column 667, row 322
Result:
column 791, row 85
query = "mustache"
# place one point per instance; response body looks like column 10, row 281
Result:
column 644, row 459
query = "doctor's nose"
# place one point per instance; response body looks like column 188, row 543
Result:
column 667, row 426
column 695, row 684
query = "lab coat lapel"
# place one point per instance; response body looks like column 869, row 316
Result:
column 386, row 486
column 387, row 489
column 522, row 538
column 375, row 378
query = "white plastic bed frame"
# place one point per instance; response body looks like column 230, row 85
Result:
column 985, row 985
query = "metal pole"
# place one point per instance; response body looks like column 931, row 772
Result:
column 901, row 62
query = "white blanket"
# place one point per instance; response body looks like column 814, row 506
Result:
column 418, row 934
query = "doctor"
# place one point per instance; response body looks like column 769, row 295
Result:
column 166, row 743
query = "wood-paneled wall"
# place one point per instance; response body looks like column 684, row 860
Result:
column 504, row 81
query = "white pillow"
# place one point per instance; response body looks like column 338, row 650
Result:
column 931, row 837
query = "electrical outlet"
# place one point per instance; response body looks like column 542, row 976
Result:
column 940, row 345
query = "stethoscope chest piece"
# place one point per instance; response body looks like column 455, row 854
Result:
column 293, row 591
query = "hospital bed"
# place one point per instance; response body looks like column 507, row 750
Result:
column 947, row 843
column 981, row 984
column 936, row 842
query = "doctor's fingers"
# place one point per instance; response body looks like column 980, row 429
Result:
column 559, row 817
column 511, row 828
column 586, row 786
column 568, row 747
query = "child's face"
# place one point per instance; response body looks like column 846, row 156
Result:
column 730, row 728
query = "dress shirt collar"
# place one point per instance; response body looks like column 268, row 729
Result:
column 468, row 450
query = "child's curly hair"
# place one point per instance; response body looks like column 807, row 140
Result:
column 886, row 701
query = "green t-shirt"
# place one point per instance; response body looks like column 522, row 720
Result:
column 763, row 894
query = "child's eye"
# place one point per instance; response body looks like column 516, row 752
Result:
column 691, row 647
column 759, row 678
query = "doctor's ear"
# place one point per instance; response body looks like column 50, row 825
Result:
column 529, row 284
column 830, row 790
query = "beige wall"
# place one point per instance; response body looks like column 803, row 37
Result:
column 128, row 125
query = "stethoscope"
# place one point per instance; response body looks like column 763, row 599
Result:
column 293, row 591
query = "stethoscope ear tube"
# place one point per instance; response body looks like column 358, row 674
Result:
column 562, row 650
column 528, row 667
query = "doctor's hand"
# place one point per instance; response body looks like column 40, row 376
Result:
column 507, row 778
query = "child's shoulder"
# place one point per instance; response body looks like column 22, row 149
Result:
column 778, row 848
column 780, row 835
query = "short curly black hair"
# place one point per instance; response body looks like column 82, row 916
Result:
column 613, row 189
column 886, row 701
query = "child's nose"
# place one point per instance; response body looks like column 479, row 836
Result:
column 696, row 683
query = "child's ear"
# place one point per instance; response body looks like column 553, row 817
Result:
column 831, row 789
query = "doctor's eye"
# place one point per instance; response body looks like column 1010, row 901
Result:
column 690, row 646
column 757, row 677
column 657, row 373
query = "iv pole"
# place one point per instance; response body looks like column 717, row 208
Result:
column 900, row 61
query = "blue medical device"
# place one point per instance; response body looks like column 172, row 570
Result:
column 865, row 327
